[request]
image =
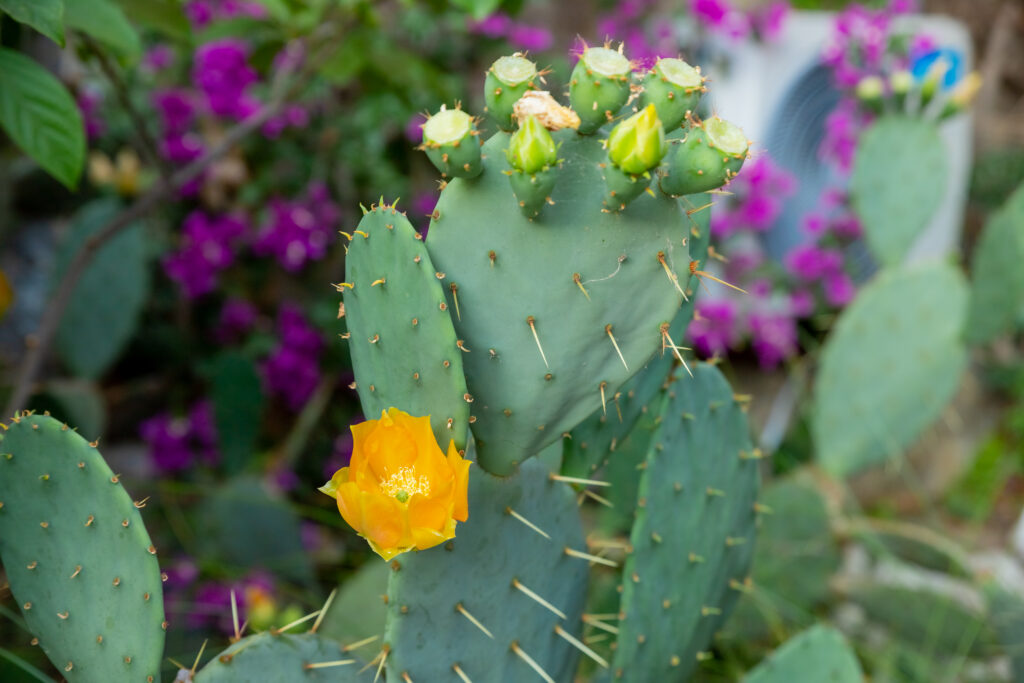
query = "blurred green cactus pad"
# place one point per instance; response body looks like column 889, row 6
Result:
column 892, row 363
column 997, row 273
column 818, row 654
column 900, row 175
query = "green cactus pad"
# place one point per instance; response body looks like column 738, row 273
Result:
column 997, row 275
column 106, row 304
column 674, row 88
column 594, row 440
column 426, row 632
column 708, row 157
column 818, row 654
column 693, row 538
column 794, row 532
column 452, row 143
column 507, row 79
column 283, row 658
column 77, row 555
column 892, row 362
column 934, row 623
column 899, row 179
column 570, row 276
column 599, row 87
column 404, row 349
column 1006, row 615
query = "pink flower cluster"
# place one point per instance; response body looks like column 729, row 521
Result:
column 202, row 13
column 299, row 231
column 758, row 194
column 645, row 40
column 178, row 443
column 763, row 21
column 292, row 371
column 501, row 26
column 208, row 247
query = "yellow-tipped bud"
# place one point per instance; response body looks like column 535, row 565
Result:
column 531, row 148
column 638, row 144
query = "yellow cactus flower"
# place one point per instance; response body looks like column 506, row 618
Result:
column 400, row 491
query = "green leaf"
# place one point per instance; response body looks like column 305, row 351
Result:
column 45, row 16
column 237, row 406
column 104, row 309
column 41, row 117
column 164, row 16
column 479, row 9
column 106, row 22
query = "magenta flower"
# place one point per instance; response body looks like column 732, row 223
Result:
column 713, row 329
column 810, row 262
column 299, row 231
column 773, row 337
column 207, row 248
column 237, row 317
column 496, row 25
column 801, row 303
column 176, row 444
column 222, row 73
column 89, row 102
column 531, row 38
column 292, row 371
column 839, row 289
column 158, row 58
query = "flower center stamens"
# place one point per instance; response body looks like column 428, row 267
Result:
column 405, row 483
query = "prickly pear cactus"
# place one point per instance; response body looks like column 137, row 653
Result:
column 77, row 555
column 818, row 654
column 899, row 179
column 693, row 537
column 284, row 658
column 404, row 348
column 892, row 362
column 562, row 273
column 997, row 278
column 502, row 598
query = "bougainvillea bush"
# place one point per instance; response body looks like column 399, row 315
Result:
column 254, row 246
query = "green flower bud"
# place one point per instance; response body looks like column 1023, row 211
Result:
column 531, row 148
column 901, row 82
column 638, row 144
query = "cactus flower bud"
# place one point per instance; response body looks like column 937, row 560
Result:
column 709, row 157
column 531, row 148
column 674, row 88
column 451, row 142
column 599, row 87
column 508, row 79
column 638, row 144
column 870, row 91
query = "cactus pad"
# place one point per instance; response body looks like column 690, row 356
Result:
column 997, row 284
column 693, row 538
column 77, row 556
column 899, row 179
column 435, row 595
column 283, row 658
column 404, row 350
column 818, row 654
column 545, row 325
column 892, row 362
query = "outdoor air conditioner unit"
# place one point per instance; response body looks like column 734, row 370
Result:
column 781, row 94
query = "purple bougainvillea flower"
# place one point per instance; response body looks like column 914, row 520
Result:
column 773, row 337
column 839, row 289
column 221, row 72
column 810, row 262
column 237, row 317
column 299, row 231
column 292, row 370
column 713, row 329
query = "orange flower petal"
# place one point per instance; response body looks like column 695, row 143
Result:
column 349, row 505
column 383, row 520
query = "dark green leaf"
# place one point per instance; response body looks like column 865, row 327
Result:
column 237, row 405
column 45, row 16
column 41, row 117
column 163, row 16
column 478, row 8
column 106, row 22
column 105, row 306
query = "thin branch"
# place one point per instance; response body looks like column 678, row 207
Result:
column 150, row 149
column 38, row 344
